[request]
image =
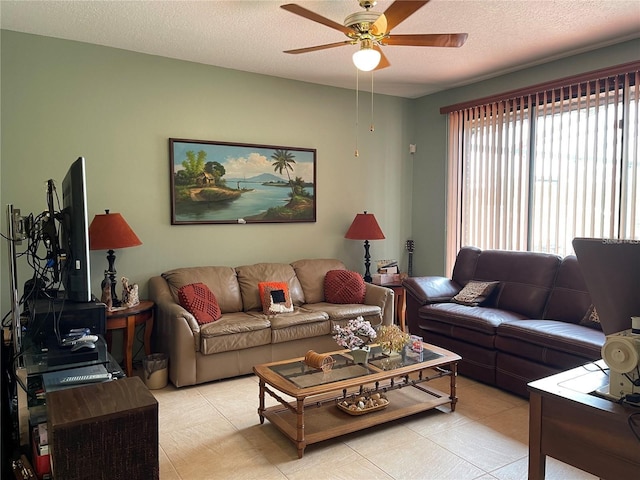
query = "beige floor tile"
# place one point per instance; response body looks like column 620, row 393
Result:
column 435, row 421
column 358, row 468
column 167, row 472
column 481, row 445
column 192, row 411
column 316, row 456
column 555, row 470
column 514, row 423
column 421, row 459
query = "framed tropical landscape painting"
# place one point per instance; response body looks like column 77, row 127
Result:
column 220, row 182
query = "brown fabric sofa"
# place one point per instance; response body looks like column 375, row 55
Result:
column 529, row 327
column 244, row 336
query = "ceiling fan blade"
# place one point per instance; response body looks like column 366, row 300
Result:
column 379, row 27
column 319, row 47
column 384, row 61
column 400, row 10
column 308, row 14
column 427, row 40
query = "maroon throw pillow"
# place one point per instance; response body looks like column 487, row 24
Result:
column 344, row 286
column 200, row 302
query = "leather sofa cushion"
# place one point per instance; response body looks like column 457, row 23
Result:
column 221, row 281
column 250, row 275
column 347, row 311
column 569, row 300
column 301, row 324
column 526, row 278
column 430, row 289
column 234, row 331
column 465, row 266
column 482, row 319
column 536, row 339
column 311, row 273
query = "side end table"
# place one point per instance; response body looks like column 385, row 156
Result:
column 127, row 319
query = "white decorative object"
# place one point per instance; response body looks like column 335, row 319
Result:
column 130, row 297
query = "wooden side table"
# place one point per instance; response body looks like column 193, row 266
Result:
column 128, row 319
column 569, row 423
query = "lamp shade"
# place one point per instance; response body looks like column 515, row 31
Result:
column 364, row 227
column 110, row 231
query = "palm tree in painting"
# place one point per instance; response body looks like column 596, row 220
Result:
column 282, row 160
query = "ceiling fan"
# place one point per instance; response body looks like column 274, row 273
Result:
column 371, row 30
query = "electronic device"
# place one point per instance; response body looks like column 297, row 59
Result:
column 74, row 376
column 621, row 353
column 71, row 339
column 611, row 270
column 56, row 318
column 83, row 344
column 74, row 234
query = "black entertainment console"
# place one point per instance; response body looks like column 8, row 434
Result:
column 45, row 314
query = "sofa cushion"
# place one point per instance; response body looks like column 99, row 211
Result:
column 344, row 286
column 475, row 293
column 200, row 302
column 221, row 281
column 347, row 311
column 275, row 297
column 445, row 316
column 569, row 299
column 591, row 319
column 526, row 278
column 537, row 340
column 301, row 324
column 249, row 276
column 311, row 273
column 234, row 331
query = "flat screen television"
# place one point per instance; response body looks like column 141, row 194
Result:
column 74, row 234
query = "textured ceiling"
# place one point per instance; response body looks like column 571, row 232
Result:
column 504, row 35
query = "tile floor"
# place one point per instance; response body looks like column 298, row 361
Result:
column 212, row 431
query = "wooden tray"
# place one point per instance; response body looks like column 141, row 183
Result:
column 363, row 411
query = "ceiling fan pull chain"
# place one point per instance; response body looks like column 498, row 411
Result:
column 371, row 127
column 357, row 154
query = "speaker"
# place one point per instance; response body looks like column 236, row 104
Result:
column 104, row 431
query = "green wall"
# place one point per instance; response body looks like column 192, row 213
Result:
column 62, row 99
column 430, row 134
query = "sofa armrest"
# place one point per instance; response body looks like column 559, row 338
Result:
column 177, row 333
column 383, row 298
column 432, row 289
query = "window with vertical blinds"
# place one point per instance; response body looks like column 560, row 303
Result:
column 532, row 171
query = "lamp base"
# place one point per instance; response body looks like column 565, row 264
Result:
column 367, row 263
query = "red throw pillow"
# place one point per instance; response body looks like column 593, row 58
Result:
column 200, row 302
column 275, row 297
column 344, row 286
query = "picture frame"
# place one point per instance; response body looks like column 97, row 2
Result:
column 220, row 182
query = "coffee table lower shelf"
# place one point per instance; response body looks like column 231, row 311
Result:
column 323, row 421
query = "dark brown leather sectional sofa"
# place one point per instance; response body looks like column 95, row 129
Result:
column 528, row 328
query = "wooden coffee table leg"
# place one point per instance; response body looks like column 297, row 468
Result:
column 261, row 400
column 454, row 377
column 300, row 442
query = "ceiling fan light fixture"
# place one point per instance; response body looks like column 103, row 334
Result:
column 366, row 59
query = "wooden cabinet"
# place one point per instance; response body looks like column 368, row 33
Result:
column 104, row 431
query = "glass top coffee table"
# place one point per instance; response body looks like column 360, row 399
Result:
column 319, row 410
